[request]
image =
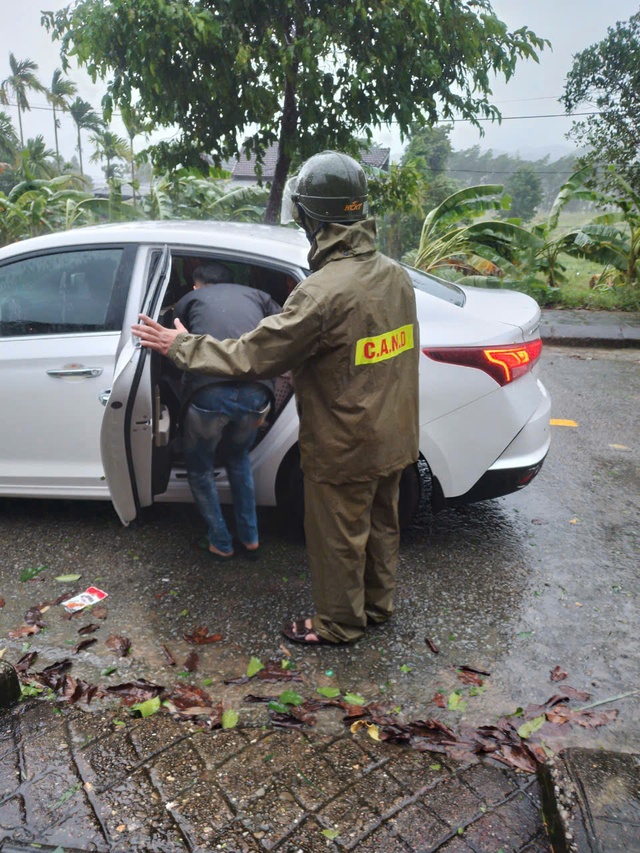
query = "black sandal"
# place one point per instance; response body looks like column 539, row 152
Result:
column 298, row 632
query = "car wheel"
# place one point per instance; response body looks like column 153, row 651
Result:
column 415, row 492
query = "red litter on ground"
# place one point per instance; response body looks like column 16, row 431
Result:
column 90, row 596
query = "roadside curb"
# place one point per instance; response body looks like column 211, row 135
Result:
column 589, row 801
column 583, row 328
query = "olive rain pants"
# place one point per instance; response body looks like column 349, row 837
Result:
column 352, row 537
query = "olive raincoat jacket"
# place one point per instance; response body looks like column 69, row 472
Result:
column 350, row 337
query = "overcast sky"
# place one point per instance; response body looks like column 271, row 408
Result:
column 570, row 25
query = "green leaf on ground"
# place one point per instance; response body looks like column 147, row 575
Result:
column 477, row 689
column 68, row 794
column 456, row 702
column 288, row 664
column 255, row 665
column 435, row 767
column 28, row 690
column 147, row 708
column 230, row 719
column 108, row 670
column 354, row 699
column 278, row 707
column 527, row 729
column 330, row 833
column 29, row 574
column 290, row 697
column 68, row 578
column 207, row 682
column 328, row 692
column 405, row 668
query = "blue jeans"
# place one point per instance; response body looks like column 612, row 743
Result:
column 238, row 410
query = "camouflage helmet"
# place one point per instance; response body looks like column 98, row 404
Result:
column 331, row 187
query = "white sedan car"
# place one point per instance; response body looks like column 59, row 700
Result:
column 88, row 413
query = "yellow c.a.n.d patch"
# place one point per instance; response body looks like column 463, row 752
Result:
column 382, row 347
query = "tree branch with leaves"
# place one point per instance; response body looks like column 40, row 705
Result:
column 233, row 74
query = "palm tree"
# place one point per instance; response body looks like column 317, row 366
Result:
column 8, row 140
column 85, row 118
column 109, row 147
column 134, row 126
column 57, row 95
column 37, row 160
column 21, row 79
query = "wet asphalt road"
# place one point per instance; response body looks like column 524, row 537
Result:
column 515, row 586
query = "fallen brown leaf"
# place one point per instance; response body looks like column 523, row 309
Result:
column 33, row 616
column 91, row 628
column 440, row 700
column 83, row 644
column 53, row 676
column 201, row 636
column 24, row 631
column 519, row 757
column 187, row 695
column 191, row 663
column 118, row 644
column 136, row 691
column 99, row 611
column 578, row 695
column 558, row 674
column 167, row 655
column 432, row 645
column 587, row 719
column 270, row 673
column 469, row 678
column 25, row 661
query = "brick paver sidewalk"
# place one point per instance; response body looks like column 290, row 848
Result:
column 84, row 782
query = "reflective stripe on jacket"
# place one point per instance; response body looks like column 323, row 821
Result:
column 350, row 336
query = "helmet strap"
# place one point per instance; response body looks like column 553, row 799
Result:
column 307, row 224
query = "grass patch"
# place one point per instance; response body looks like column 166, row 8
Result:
column 584, row 290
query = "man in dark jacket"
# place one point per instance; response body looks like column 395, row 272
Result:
column 350, row 336
column 220, row 408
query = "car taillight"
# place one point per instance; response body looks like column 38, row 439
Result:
column 503, row 363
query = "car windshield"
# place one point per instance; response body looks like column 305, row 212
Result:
column 437, row 287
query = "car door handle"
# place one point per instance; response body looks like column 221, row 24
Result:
column 75, row 371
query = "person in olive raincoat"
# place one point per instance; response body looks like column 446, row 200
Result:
column 350, row 336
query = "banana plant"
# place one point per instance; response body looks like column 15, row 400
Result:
column 450, row 237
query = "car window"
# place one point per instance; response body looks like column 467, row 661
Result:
column 277, row 283
column 437, row 287
column 63, row 292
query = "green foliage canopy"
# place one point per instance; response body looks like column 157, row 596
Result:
column 607, row 76
column 525, row 189
column 308, row 75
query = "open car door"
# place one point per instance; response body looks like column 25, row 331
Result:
column 135, row 430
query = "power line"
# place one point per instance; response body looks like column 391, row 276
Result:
column 444, row 121
column 518, row 118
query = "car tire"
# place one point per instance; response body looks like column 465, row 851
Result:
column 290, row 492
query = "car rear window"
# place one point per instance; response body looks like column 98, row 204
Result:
column 437, row 287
